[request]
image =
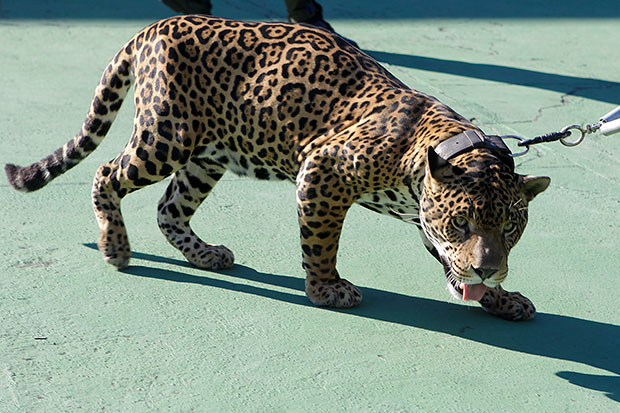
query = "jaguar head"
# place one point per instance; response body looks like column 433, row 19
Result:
column 473, row 210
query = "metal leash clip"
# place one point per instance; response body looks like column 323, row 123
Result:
column 607, row 125
column 522, row 143
column 610, row 122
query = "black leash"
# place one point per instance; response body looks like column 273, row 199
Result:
column 608, row 124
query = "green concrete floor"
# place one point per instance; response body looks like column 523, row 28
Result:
column 77, row 335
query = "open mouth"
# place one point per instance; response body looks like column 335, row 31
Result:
column 464, row 291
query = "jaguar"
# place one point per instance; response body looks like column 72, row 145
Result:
column 294, row 102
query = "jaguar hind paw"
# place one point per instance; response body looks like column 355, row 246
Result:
column 116, row 255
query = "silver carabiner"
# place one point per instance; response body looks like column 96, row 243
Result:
column 520, row 139
column 576, row 142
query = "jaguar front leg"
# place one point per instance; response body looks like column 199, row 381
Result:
column 188, row 188
column 508, row 305
column 322, row 203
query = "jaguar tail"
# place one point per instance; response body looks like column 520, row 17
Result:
column 109, row 95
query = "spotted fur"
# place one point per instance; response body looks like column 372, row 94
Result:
column 287, row 101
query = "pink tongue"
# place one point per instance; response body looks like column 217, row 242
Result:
column 474, row 292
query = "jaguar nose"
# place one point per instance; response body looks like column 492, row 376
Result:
column 484, row 273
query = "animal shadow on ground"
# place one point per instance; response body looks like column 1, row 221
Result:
column 349, row 9
column 595, row 89
column 555, row 336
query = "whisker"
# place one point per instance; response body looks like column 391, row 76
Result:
column 406, row 217
column 516, row 203
column 403, row 214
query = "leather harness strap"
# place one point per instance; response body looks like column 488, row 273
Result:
column 472, row 139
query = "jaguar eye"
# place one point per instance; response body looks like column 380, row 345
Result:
column 509, row 227
column 460, row 224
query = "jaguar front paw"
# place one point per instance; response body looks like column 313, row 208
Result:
column 210, row 257
column 338, row 293
column 511, row 306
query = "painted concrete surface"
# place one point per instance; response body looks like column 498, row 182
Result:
column 77, row 335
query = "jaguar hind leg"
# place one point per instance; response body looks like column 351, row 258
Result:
column 112, row 182
column 107, row 194
column 508, row 305
column 128, row 172
column 188, row 188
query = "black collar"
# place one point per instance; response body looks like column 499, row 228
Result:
column 471, row 139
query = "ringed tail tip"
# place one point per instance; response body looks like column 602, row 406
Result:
column 12, row 172
column 25, row 179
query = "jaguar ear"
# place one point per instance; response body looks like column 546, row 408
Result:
column 436, row 166
column 533, row 185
